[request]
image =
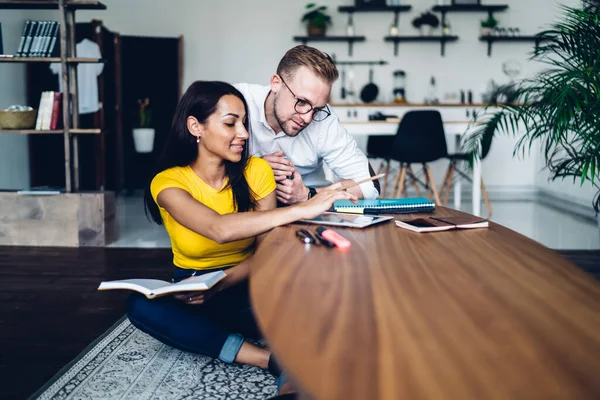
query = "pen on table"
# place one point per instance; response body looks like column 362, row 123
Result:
column 362, row 181
column 304, row 238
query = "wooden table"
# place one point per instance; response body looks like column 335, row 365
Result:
column 477, row 314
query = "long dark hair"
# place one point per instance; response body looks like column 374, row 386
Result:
column 200, row 101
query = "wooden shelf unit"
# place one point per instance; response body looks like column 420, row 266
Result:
column 50, row 5
column 349, row 39
column 70, row 60
column 442, row 39
column 51, row 131
column 70, row 110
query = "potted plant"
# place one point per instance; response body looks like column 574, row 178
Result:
column 488, row 25
column 426, row 19
column 316, row 20
column 559, row 107
column 143, row 134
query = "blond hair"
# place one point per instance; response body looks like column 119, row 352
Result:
column 318, row 62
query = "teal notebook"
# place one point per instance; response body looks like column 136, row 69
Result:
column 385, row 206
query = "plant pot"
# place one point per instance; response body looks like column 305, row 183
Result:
column 313, row 30
column 143, row 139
column 486, row 31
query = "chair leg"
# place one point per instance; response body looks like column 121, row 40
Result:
column 444, row 182
column 432, row 184
column 400, row 181
column 385, row 180
column 414, row 181
column 485, row 198
column 449, row 183
column 380, row 168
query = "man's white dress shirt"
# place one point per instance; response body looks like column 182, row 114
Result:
column 321, row 141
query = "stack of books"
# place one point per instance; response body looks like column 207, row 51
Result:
column 49, row 114
column 39, row 39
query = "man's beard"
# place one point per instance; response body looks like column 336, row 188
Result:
column 281, row 123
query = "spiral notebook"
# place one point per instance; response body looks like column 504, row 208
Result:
column 385, row 206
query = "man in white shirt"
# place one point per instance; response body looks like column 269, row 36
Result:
column 295, row 131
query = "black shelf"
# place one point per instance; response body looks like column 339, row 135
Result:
column 471, row 8
column 49, row 5
column 349, row 39
column 441, row 39
column 490, row 9
column 491, row 39
column 352, row 9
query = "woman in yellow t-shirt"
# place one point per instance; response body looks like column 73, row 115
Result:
column 214, row 201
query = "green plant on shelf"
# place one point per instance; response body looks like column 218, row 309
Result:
column 316, row 19
column 559, row 108
column 490, row 22
column 144, row 113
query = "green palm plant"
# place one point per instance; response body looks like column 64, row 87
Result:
column 558, row 108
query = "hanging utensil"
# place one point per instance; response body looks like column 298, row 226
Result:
column 370, row 91
column 343, row 91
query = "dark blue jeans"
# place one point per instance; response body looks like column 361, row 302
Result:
column 216, row 329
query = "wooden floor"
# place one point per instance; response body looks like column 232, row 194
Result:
column 50, row 309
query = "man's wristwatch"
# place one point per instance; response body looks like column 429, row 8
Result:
column 312, row 192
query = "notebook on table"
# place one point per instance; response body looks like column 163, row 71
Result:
column 385, row 206
column 432, row 224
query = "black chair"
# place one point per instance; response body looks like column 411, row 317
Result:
column 486, row 144
column 420, row 140
column 380, row 146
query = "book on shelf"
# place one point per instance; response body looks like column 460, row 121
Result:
column 41, row 191
column 38, row 39
column 385, row 206
column 437, row 224
column 49, row 114
column 1, row 41
column 56, row 115
column 152, row 288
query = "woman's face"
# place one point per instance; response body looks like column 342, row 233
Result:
column 224, row 133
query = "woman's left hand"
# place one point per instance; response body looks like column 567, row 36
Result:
column 202, row 296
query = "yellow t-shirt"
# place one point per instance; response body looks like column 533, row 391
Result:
column 194, row 251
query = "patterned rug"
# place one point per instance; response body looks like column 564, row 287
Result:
column 126, row 363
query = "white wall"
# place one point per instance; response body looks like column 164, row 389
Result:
column 239, row 41
column 14, row 164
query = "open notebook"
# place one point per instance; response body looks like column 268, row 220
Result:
column 385, row 206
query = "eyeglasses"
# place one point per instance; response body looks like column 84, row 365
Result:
column 304, row 107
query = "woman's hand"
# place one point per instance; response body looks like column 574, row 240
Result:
column 233, row 276
column 323, row 202
column 201, row 297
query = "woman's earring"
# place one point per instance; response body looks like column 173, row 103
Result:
column 197, row 139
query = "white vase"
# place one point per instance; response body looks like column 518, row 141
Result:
column 143, row 139
column 486, row 32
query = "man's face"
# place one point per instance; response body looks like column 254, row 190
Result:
column 305, row 90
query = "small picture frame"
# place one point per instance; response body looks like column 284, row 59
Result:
column 466, row 2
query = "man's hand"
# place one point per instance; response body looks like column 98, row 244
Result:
column 292, row 191
column 281, row 166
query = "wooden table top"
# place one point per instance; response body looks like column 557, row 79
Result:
column 472, row 314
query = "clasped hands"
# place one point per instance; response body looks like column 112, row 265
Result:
column 292, row 191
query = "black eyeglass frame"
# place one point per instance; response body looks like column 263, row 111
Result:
column 314, row 110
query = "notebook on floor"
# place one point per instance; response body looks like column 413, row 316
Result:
column 385, row 206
